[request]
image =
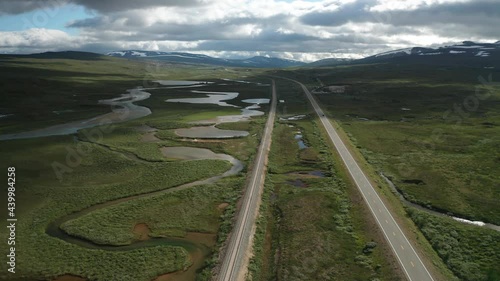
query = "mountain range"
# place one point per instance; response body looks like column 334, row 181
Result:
column 190, row 58
column 466, row 53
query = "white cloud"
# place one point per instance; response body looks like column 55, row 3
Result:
column 38, row 38
column 304, row 30
column 393, row 5
column 300, row 56
column 157, row 45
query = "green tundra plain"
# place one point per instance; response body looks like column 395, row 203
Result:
column 111, row 209
column 434, row 131
column 115, row 168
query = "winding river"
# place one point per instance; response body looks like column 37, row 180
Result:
column 395, row 190
column 123, row 109
column 198, row 251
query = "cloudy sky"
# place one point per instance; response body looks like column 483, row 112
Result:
column 305, row 30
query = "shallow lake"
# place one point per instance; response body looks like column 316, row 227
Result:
column 212, row 132
column 217, row 98
column 194, row 153
column 179, row 82
column 209, row 132
column 257, row 101
column 300, row 141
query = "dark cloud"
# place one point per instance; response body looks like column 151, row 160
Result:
column 468, row 13
column 103, row 6
column 128, row 26
column 339, row 44
column 106, row 6
column 127, row 30
column 22, row 6
column 473, row 19
column 483, row 16
column 202, row 25
column 355, row 11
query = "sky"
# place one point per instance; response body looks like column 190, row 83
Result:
column 305, row 30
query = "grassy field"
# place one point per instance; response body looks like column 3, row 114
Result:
column 405, row 121
column 102, row 176
column 421, row 126
column 62, row 175
column 470, row 252
column 309, row 227
column 167, row 215
column 434, row 132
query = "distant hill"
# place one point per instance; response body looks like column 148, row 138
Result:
column 329, row 61
column 73, row 55
column 189, row 58
column 465, row 54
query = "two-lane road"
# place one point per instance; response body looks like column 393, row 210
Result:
column 410, row 262
column 232, row 265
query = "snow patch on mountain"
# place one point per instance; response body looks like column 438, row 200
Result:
column 179, row 56
column 190, row 58
column 138, row 54
column 407, row 51
column 116, row 53
column 482, row 54
column 467, row 47
column 430, row 54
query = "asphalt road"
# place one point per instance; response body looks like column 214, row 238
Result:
column 239, row 241
column 410, row 262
